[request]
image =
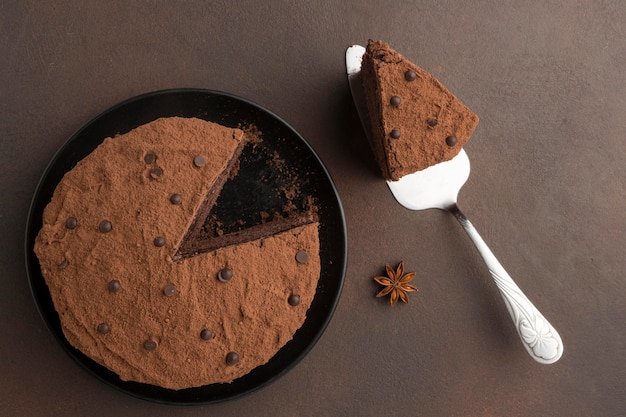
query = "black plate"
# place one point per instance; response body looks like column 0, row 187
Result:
column 230, row 111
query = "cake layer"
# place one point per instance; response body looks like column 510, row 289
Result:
column 205, row 243
column 260, row 197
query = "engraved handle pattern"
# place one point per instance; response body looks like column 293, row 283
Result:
column 540, row 339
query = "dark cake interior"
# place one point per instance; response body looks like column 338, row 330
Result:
column 257, row 195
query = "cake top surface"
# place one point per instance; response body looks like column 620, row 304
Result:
column 106, row 251
column 416, row 121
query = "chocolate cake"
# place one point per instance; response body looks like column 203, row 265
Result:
column 152, row 279
column 416, row 122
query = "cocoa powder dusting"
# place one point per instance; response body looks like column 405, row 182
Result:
column 157, row 312
column 411, row 135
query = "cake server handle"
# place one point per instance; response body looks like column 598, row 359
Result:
column 540, row 339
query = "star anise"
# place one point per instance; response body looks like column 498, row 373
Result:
column 396, row 283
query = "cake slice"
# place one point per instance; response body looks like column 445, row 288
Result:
column 416, row 122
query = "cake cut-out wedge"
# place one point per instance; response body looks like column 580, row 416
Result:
column 263, row 201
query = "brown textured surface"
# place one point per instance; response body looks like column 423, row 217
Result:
column 249, row 314
column 422, row 99
column 546, row 192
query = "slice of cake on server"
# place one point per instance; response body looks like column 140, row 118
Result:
column 416, row 122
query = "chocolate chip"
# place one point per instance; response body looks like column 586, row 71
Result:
column 451, row 140
column 71, row 223
column 149, row 158
column 395, row 101
column 206, row 334
column 105, row 226
column 176, row 199
column 199, row 161
column 169, row 290
column 103, row 328
column 302, row 257
column 159, row 241
column 232, row 358
column 225, row 275
column 150, row 345
column 432, row 122
column 156, row 173
column 114, row 286
column 64, row 263
column 293, row 300
column 410, row 75
column 395, row 134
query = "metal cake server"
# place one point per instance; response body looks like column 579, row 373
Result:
column 438, row 187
